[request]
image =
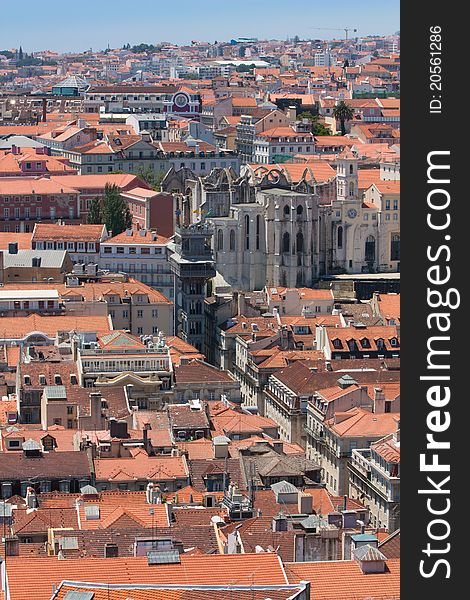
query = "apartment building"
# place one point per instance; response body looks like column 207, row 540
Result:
column 144, row 255
column 358, row 341
column 82, row 242
column 299, row 301
column 30, row 266
column 374, row 479
column 177, row 100
column 133, row 306
column 151, row 210
column 277, row 144
column 26, row 200
column 119, row 359
column 32, row 162
column 128, row 153
column 343, row 433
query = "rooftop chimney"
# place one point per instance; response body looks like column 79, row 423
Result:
column 31, row 500
column 379, row 400
column 153, row 494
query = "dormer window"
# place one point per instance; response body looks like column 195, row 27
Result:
column 394, row 342
column 365, row 343
column 352, row 345
column 380, row 344
column 337, row 343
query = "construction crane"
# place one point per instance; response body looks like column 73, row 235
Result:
column 345, row 29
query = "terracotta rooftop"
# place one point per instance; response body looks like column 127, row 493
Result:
column 189, row 592
column 199, row 469
column 134, row 237
column 94, row 291
column 22, row 239
column 389, row 306
column 279, row 293
column 358, row 422
column 49, row 465
column 29, row 186
column 18, row 327
column 344, row 580
column 140, row 467
column 98, row 181
column 199, row 371
column 216, row 569
column 390, row 546
column 81, row 232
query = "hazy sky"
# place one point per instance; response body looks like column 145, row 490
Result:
column 57, row 25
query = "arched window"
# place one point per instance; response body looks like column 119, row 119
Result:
column 258, row 229
column 232, row 240
column 299, row 242
column 340, row 237
column 286, row 243
column 247, row 232
column 300, row 210
column 220, row 240
column 351, row 188
column 286, row 211
column 395, row 247
column 370, row 249
column 351, row 170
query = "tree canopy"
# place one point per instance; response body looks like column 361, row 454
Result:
column 95, row 212
column 343, row 112
column 116, row 214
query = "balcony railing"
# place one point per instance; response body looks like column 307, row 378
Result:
column 316, row 435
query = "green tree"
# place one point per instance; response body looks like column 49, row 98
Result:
column 95, row 212
column 20, row 53
column 151, row 178
column 140, row 48
column 116, row 214
column 320, row 129
column 317, row 127
column 306, row 115
column 343, row 112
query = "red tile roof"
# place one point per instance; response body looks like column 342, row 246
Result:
column 360, row 423
column 215, row 569
column 82, row 233
column 344, row 580
column 139, row 467
column 18, row 327
column 198, row 371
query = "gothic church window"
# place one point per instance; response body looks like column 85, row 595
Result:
column 286, row 243
column 370, row 249
column 247, row 232
column 340, row 237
